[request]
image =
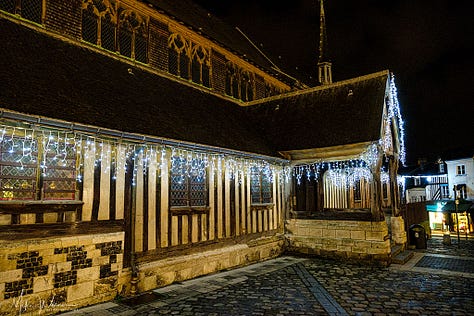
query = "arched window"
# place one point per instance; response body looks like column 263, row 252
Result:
column 200, row 66
column 99, row 23
column 178, row 62
column 230, row 78
column 115, row 29
column 132, row 35
column 246, row 86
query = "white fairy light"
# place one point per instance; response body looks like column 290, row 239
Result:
column 395, row 113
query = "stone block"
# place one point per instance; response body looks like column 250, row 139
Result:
column 359, row 250
column 348, row 242
column 378, row 251
column 80, row 291
column 343, row 234
column 69, row 241
column 42, row 283
column 11, row 275
column 381, row 245
column 357, row 234
column 61, row 267
column 374, row 235
column 316, row 232
column 329, row 233
column 88, row 274
column 342, row 248
column 8, row 247
column 100, row 261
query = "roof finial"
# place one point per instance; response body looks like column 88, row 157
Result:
column 324, row 65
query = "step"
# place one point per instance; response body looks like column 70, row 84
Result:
column 402, row 257
column 396, row 249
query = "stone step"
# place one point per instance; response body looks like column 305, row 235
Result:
column 396, row 249
column 402, row 257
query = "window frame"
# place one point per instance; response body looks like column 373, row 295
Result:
column 261, row 186
column 187, row 177
column 42, row 176
column 461, row 170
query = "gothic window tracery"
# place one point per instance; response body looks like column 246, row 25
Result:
column 115, row 28
column 239, row 83
column 188, row 60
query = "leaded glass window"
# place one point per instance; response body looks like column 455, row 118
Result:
column 30, row 10
column 188, row 185
column 59, row 177
column 107, row 24
column 29, row 171
column 260, row 186
column 18, row 169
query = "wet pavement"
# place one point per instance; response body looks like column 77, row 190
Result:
column 436, row 281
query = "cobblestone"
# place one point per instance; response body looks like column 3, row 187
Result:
column 310, row 286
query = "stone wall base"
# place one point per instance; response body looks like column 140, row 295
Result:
column 169, row 270
column 46, row 276
column 399, row 235
column 348, row 240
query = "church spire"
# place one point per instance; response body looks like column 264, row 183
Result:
column 324, row 65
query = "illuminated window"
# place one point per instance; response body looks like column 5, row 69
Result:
column 30, row 172
column 260, row 186
column 31, row 10
column 460, row 170
column 188, row 185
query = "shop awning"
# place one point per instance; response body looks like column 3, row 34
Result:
column 449, row 206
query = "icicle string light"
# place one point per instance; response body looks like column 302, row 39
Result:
column 341, row 170
column 60, row 145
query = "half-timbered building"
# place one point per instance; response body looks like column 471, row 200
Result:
column 146, row 142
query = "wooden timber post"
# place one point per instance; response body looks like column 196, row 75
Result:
column 376, row 188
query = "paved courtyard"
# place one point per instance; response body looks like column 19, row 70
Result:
column 436, row 281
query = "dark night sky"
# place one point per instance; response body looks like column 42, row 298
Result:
column 426, row 43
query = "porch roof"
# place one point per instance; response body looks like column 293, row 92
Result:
column 346, row 112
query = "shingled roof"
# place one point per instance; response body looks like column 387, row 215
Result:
column 343, row 113
column 44, row 76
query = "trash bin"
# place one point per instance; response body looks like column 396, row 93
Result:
column 417, row 236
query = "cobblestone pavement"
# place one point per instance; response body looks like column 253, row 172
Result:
column 462, row 248
column 433, row 282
